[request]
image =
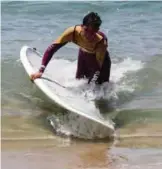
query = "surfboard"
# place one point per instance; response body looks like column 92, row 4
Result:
column 50, row 85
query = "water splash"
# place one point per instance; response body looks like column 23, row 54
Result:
column 77, row 126
column 71, row 124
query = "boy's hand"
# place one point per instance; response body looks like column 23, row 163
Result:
column 35, row 75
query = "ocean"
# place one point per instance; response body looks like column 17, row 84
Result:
column 134, row 31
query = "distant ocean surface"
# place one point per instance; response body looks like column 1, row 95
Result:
column 134, row 31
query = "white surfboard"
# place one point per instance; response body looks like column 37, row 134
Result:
column 50, row 85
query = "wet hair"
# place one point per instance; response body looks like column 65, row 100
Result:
column 92, row 18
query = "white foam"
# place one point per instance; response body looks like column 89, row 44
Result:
column 128, row 65
column 70, row 124
column 107, row 90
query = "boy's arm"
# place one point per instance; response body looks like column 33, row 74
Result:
column 66, row 37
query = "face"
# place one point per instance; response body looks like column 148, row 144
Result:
column 90, row 31
column 94, row 27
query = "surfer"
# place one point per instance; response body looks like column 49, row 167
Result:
column 93, row 59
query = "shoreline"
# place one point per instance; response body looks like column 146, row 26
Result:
column 77, row 155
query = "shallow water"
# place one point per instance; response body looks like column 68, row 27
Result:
column 133, row 100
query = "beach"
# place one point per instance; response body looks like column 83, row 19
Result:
column 134, row 94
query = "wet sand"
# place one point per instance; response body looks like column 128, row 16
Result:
column 43, row 154
column 27, row 144
column 63, row 156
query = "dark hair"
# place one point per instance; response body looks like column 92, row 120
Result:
column 92, row 18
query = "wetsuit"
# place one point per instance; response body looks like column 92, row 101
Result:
column 88, row 60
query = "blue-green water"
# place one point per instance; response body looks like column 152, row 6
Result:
column 134, row 31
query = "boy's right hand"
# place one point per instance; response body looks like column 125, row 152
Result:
column 35, row 75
